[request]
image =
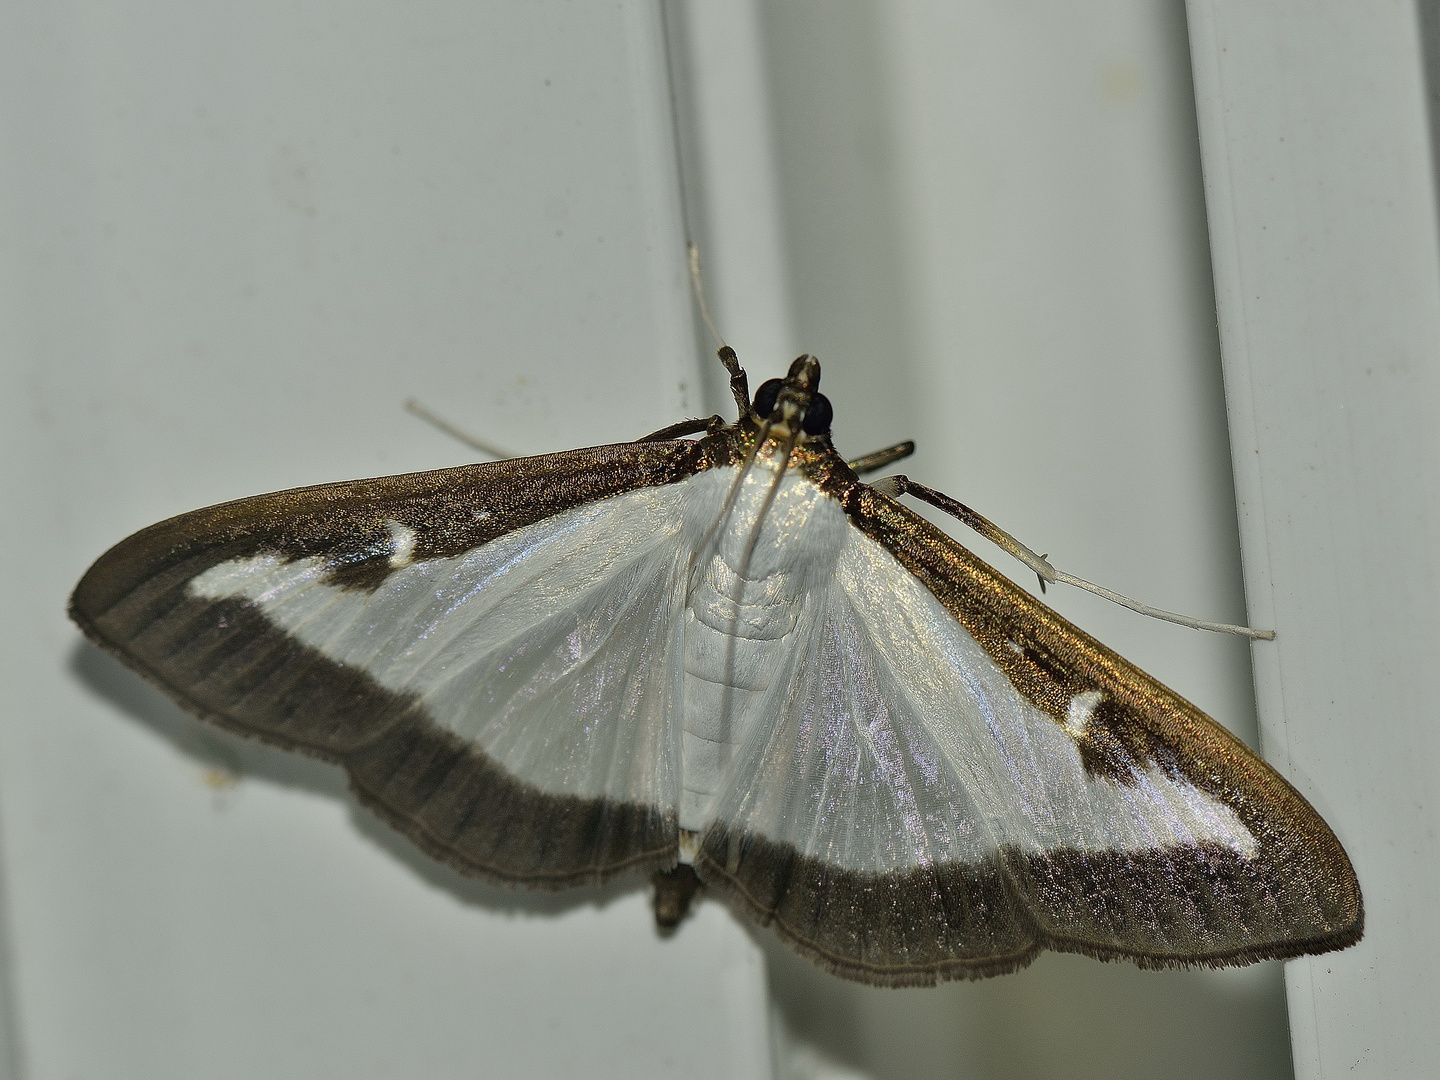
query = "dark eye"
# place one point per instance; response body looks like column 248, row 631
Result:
column 818, row 416
column 767, row 395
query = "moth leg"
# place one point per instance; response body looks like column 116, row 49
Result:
column 739, row 381
column 683, row 428
column 672, row 892
column 414, row 408
column 878, row 459
column 899, row 484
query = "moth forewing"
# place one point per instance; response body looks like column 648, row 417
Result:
column 288, row 617
column 1248, row 871
column 729, row 652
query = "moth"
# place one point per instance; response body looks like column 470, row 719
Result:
column 716, row 656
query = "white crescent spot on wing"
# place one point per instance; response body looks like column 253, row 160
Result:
column 402, row 543
column 1082, row 708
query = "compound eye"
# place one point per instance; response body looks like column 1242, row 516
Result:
column 767, row 395
column 818, row 416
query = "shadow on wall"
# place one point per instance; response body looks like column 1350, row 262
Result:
column 1429, row 15
column 1064, row 1016
column 229, row 758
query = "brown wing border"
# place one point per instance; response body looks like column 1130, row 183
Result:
column 450, row 510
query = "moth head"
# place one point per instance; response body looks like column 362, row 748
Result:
column 794, row 401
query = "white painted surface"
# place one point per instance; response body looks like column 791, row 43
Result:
column 727, row 141
column 235, row 240
column 1322, row 215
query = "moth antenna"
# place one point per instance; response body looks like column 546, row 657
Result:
column 439, row 423
column 1161, row 613
column 742, row 572
column 754, row 538
column 739, row 384
column 699, row 289
column 728, row 507
column 706, row 551
column 899, row 484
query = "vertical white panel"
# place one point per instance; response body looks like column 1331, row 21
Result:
column 994, row 234
column 9, row 1032
column 235, row 240
column 1321, row 198
column 732, row 185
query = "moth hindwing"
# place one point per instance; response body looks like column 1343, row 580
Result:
column 728, row 661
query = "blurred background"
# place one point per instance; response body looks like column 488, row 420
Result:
column 236, row 240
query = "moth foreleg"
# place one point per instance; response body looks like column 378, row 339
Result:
column 683, row 428
column 868, row 463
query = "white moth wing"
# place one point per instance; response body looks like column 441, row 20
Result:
column 897, row 742
column 491, row 652
column 842, row 772
column 1024, row 771
column 554, row 649
column 907, row 814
